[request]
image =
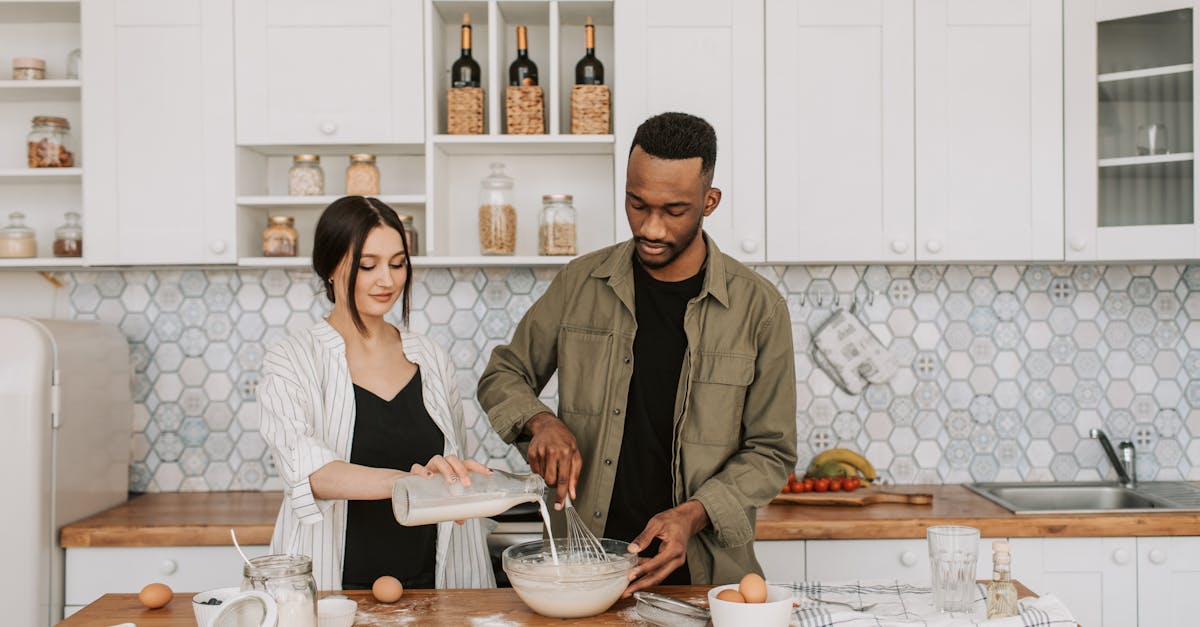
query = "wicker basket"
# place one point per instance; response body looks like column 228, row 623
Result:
column 525, row 110
column 464, row 111
column 590, row 107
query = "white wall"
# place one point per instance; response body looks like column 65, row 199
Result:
column 28, row 294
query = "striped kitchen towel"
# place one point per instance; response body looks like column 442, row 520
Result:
column 892, row 603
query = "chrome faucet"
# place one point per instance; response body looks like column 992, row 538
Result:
column 1125, row 465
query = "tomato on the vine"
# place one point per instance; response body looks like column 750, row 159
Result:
column 821, row 485
column 835, row 484
column 851, row 484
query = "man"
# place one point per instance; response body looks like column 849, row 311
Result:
column 676, row 384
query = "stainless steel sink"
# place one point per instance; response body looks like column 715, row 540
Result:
column 1081, row 497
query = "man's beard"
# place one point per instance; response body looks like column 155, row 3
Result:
column 673, row 249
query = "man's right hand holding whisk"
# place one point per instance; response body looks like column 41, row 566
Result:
column 554, row 454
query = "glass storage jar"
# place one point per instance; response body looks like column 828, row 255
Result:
column 280, row 238
column 497, row 217
column 17, row 241
column 74, row 63
column 68, row 238
column 289, row 580
column 28, row 69
column 556, row 228
column 362, row 176
column 410, row 236
column 48, row 143
column 305, row 177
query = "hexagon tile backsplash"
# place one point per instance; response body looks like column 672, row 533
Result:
column 1004, row 369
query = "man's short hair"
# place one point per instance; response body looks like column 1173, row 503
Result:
column 676, row 135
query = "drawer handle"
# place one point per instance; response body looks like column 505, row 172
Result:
column 934, row 246
column 217, row 246
column 749, row 245
column 908, row 558
column 1157, row 556
column 168, row 567
column 328, row 127
column 899, row 246
column 1078, row 244
column 1120, row 557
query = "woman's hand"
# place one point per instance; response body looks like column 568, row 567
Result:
column 452, row 468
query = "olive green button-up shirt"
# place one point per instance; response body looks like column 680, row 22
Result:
column 735, row 407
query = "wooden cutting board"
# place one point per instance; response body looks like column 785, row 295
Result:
column 858, row 498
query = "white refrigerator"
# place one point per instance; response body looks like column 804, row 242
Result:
column 67, row 411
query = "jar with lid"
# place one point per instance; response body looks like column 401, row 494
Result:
column 497, row 216
column 48, row 143
column 305, row 177
column 410, row 236
column 29, row 69
column 74, row 63
column 362, row 176
column 280, row 238
column 289, row 580
column 68, row 238
column 17, row 241
column 556, row 228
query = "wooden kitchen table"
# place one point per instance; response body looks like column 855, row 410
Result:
column 499, row 606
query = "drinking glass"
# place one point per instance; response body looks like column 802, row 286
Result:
column 1152, row 139
column 953, row 551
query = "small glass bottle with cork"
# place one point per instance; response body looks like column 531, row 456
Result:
column 1001, row 593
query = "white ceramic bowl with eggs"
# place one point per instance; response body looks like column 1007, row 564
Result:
column 776, row 611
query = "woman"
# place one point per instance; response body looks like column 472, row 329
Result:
column 349, row 403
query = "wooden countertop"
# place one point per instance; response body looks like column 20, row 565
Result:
column 204, row 518
column 497, row 606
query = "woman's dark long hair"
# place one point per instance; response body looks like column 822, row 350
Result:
column 341, row 230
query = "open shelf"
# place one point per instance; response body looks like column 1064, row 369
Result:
column 275, row 149
column 20, row 91
column 1144, row 73
column 43, row 262
column 39, row 11
column 321, row 201
column 420, row 261
column 1145, row 160
column 40, row 175
column 524, row 144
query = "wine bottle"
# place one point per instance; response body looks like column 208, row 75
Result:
column 523, row 70
column 589, row 70
column 465, row 71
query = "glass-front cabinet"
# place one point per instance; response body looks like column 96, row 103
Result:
column 1130, row 118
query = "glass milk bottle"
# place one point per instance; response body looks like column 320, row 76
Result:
column 418, row 500
column 289, row 580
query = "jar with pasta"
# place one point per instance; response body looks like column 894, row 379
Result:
column 497, row 216
column 556, row 228
column 48, row 143
column 362, row 176
column 305, row 177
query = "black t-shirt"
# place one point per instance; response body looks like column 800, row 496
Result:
column 390, row 434
column 642, row 487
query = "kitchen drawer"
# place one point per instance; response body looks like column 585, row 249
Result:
column 839, row 560
column 92, row 572
column 781, row 560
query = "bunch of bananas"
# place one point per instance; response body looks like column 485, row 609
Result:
column 841, row 462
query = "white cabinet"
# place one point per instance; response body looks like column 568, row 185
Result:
column 705, row 59
column 1095, row 577
column 314, row 71
column 840, row 147
column 94, row 572
column 1168, row 579
column 159, row 105
column 1129, row 88
column 989, row 123
column 781, row 560
column 908, row 560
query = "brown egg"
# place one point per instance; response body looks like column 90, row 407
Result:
column 387, row 589
column 156, row 595
column 731, row 595
column 753, row 588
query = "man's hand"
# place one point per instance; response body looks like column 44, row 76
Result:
column 673, row 528
column 554, row 455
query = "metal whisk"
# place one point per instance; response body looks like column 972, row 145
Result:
column 582, row 547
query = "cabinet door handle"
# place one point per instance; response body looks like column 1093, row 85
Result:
column 1157, row 556
column 168, row 567
column 899, row 246
column 1120, row 557
column 217, row 246
column 328, row 127
column 934, row 246
column 1078, row 244
column 749, row 245
column 908, row 558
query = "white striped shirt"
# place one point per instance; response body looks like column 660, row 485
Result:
column 306, row 402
